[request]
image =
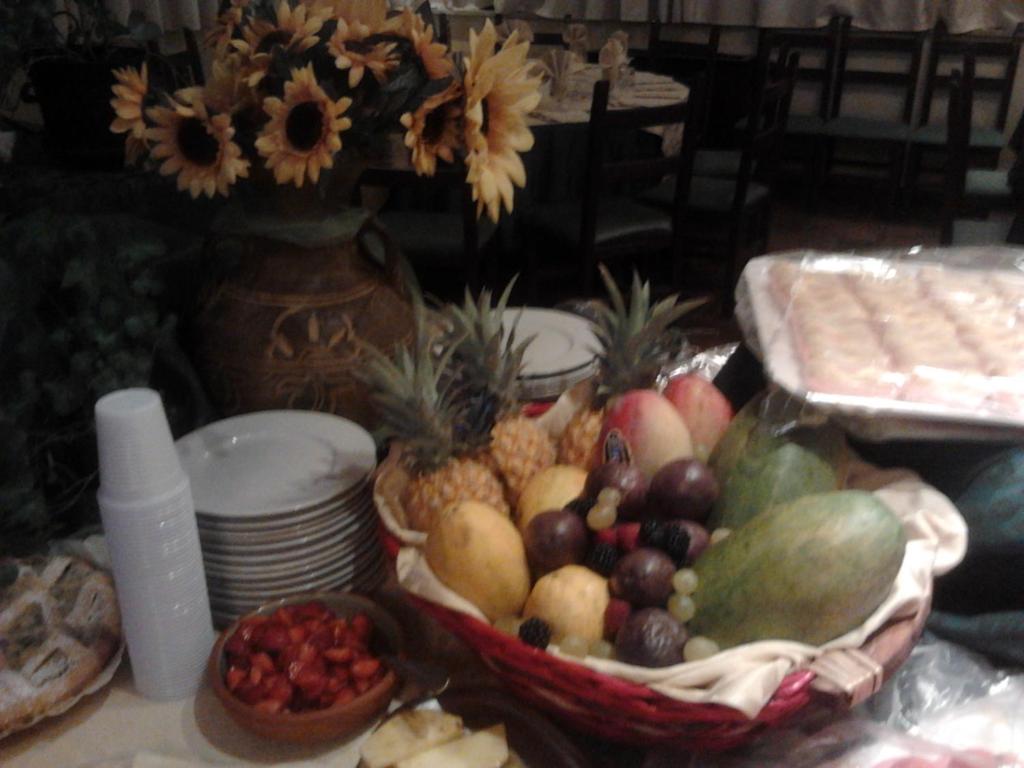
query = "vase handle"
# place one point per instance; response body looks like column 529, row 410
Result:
column 375, row 242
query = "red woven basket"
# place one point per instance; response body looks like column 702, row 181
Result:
column 630, row 713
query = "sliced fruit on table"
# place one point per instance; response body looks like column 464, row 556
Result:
column 810, row 570
column 426, row 416
column 478, row 553
column 764, row 460
column 407, row 734
column 484, row 749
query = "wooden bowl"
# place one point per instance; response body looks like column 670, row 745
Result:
column 335, row 722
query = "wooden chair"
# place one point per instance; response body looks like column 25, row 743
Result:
column 957, row 194
column 682, row 60
column 820, row 56
column 994, row 52
column 725, row 214
column 433, row 221
column 905, row 50
column 546, row 39
column 606, row 223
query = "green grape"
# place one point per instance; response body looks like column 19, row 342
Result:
column 602, row 649
column 612, row 496
column 682, row 607
column 573, row 645
column 508, row 624
column 601, row 516
column 685, row 581
column 719, row 534
column 699, row 647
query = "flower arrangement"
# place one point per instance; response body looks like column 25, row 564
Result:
column 300, row 89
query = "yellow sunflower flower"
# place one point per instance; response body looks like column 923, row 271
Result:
column 352, row 53
column 304, row 130
column 500, row 92
column 196, row 145
column 295, row 29
column 432, row 131
column 433, row 56
column 129, row 92
column 227, row 89
column 227, row 24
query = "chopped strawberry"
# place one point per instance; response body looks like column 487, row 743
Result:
column 339, row 629
column 275, row 638
column 297, row 633
column 255, row 675
column 263, row 662
column 362, row 685
column 339, row 655
column 234, row 677
column 345, row 695
column 236, row 645
column 362, row 627
column 365, row 668
column 628, row 535
column 321, row 638
column 308, row 653
column 315, row 611
column 281, row 690
column 248, row 693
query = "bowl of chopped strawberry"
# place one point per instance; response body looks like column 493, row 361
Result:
column 307, row 668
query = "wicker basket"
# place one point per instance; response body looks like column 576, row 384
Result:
column 630, row 713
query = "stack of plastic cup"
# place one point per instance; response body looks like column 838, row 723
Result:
column 150, row 527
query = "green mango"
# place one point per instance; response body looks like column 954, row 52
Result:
column 810, row 570
column 759, row 465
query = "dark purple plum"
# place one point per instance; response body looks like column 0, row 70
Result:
column 651, row 637
column 554, row 539
column 626, row 478
column 684, row 488
column 643, row 577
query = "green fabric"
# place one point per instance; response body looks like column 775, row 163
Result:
column 617, row 218
column 706, row 194
column 431, row 235
column 935, row 135
column 975, row 232
column 866, row 128
column 985, row 183
column 980, row 604
column 719, row 163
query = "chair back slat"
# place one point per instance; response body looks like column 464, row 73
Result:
column 959, row 113
column 681, row 59
column 1001, row 52
column 827, row 41
column 908, row 48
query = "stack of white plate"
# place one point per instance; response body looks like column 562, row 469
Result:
column 562, row 353
column 284, row 505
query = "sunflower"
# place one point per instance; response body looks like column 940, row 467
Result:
column 134, row 149
column 304, row 130
column 351, row 52
column 500, row 92
column 227, row 89
column 295, row 29
column 129, row 92
column 196, row 145
column 228, row 23
column 433, row 56
column 432, row 131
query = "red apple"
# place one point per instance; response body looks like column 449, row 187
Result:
column 643, row 428
column 706, row 411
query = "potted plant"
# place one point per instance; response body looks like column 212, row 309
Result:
column 69, row 52
column 302, row 96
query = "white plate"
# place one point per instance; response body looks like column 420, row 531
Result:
column 341, row 546
column 274, row 463
column 564, row 342
column 247, row 601
column 221, row 542
column 285, row 520
column 241, row 588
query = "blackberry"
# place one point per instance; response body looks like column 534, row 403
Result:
column 580, row 505
column 535, row 632
column 602, row 558
column 652, row 534
column 677, row 543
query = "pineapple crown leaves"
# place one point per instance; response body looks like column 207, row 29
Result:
column 489, row 361
column 414, row 397
column 635, row 341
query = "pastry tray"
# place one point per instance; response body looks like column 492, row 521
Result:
column 927, row 344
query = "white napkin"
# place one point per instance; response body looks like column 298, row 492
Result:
column 508, row 26
column 612, row 58
column 575, row 38
column 558, row 65
column 622, row 36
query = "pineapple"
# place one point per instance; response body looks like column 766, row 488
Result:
column 418, row 408
column 635, row 344
column 489, row 366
